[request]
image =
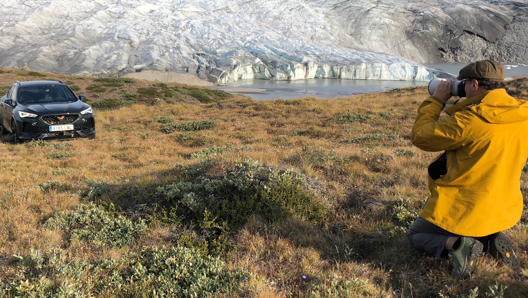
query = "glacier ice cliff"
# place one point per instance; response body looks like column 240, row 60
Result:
column 228, row 40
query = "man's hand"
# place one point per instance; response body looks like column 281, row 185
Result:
column 443, row 91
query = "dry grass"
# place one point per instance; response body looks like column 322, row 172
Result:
column 355, row 152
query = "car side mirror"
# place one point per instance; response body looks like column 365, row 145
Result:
column 82, row 97
column 9, row 102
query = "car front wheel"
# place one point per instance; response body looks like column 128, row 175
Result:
column 16, row 140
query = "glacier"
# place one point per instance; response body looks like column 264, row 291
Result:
column 221, row 41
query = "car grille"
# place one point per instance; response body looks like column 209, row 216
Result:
column 54, row 119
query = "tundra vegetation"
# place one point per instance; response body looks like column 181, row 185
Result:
column 205, row 194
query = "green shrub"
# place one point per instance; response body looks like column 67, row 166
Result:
column 404, row 152
column 351, row 118
column 53, row 185
column 247, row 188
column 191, row 139
column 37, row 143
column 200, row 95
column 59, row 155
column 165, row 119
column 75, row 88
column 112, row 103
column 214, row 150
column 339, row 287
column 205, row 95
column 130, row 97
column 189, row 126
column 149, row 92
column 219, row 94
column 61, row 145
column 91, row 223
column 95, row 190
column 3, row 90
column 313, row 156
column 113, row 82
column 152, row 272
column 35, row 74
column 371, row 137
column 96, row 88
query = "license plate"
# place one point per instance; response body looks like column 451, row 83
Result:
column 61, row 127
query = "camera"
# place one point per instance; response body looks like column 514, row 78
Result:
column 458, row 87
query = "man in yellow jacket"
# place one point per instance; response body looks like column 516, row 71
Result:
column 475, row 184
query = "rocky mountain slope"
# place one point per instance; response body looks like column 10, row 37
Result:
column 227, row 40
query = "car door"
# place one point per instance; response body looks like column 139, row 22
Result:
column 7, row 109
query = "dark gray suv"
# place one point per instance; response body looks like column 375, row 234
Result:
column 45, row 109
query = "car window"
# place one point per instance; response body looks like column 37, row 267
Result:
column 11, row 92
column 45, row 94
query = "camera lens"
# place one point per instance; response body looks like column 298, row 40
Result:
column 457, row 90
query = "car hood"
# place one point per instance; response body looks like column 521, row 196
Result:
column 72, row 107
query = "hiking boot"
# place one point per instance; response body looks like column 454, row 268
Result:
column 465, row 257
column 501, row 247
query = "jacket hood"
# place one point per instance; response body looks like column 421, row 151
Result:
column 497, row 107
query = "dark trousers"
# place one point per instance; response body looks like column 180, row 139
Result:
column 429, row 237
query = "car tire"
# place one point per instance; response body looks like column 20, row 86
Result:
column 3, row 130
column 92, row 137
column 16, row 140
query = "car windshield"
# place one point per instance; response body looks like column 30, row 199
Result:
column 45, row 94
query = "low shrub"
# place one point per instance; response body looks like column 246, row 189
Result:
column 206, row 95
column 165, row 119
column 112, row 103
column 53, row 185
column 114, row 82
column 189, row 126
column 149, row 92
column 36, row 74
column 191, row 139
column 214, row 150
column 3, row 90
column 75, row 88
column 371, row 137
column 200, row 95
column 37, row 143
column 313, row 156
column 352, row 118
column 59, row 155
column 246, row 188
column 96, row 88
column 91, row 223
column 404, row 152
column 151, row 272
column 95, row 190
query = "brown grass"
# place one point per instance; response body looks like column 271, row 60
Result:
column 367, row 171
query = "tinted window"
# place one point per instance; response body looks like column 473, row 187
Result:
column 10, row 92
column 45, row 94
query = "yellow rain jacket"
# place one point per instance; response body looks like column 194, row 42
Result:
column 486, row 141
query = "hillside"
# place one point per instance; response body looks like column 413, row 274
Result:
column 231, row 197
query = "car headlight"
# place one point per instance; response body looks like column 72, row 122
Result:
column 27, row 115
column 87, row 111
